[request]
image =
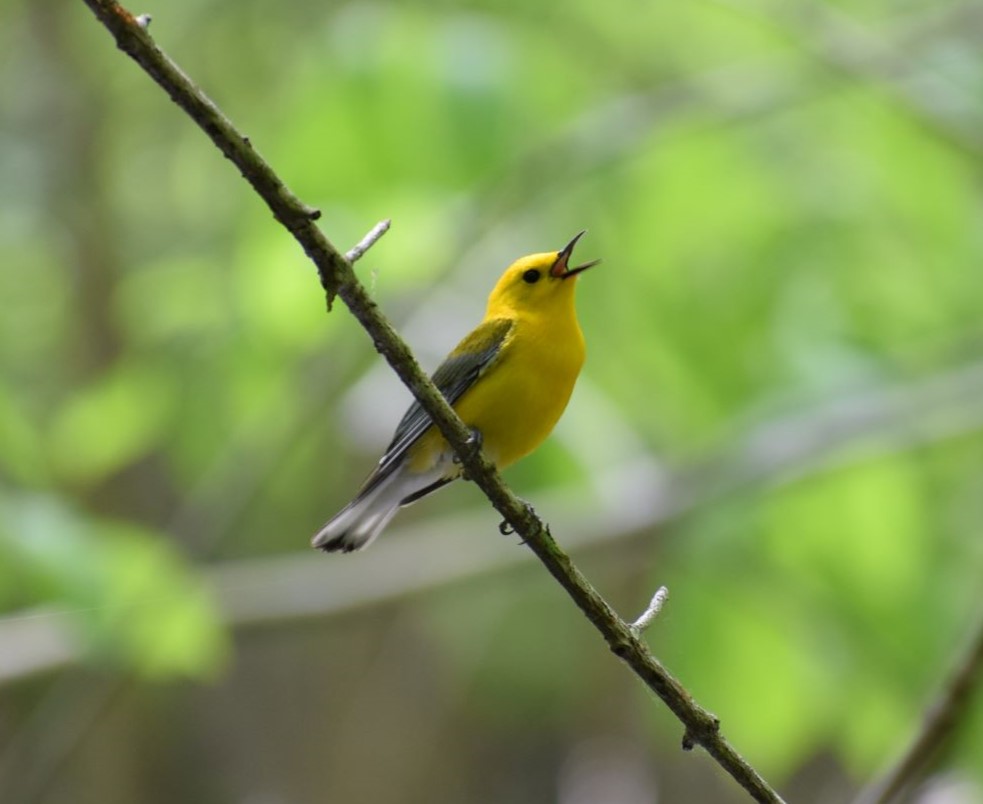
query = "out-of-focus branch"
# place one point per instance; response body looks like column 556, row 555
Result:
column 938, row 725
column 845, row 46
column 285, row 588
column 850, row 428
column 337, row 278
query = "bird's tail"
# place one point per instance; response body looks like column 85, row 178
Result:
column 356, row 525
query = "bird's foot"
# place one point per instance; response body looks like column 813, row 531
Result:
column 506, row 529
column 475, row 441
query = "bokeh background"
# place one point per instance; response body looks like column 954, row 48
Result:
column 781, row 417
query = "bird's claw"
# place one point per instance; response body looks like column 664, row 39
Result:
column 474, row 443
column 506, row 529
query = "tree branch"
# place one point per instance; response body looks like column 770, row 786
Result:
column 939, row 724
column 337, row 278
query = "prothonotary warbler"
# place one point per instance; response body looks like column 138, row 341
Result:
column 509, row 381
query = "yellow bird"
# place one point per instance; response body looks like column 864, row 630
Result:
column 509, row 381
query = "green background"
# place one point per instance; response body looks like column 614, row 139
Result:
column 780, row 417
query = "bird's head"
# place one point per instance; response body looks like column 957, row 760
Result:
column 538, row 281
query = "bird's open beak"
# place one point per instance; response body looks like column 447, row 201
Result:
column 561, row 269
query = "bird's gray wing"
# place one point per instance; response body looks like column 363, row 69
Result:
column 459, row 371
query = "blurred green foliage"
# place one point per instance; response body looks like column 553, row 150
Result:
column 787, row 204
column 126, row 594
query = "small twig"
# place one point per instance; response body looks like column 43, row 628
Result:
column 845, row 46
column 356, row 252
column 646, row 618
column 938, row 725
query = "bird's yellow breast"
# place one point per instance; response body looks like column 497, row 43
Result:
column 520, row 397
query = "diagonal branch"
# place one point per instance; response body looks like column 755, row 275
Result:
column 338, row 278
column 939, row 725
column 843, row 45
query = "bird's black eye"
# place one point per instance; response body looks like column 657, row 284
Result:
column 531, row 276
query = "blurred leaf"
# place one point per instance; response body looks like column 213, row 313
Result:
column 872, row 552
column 115, row 420
column 180, row 298
column 751, row 662
column 23, row 455
column 129, row 597
column 36, row 291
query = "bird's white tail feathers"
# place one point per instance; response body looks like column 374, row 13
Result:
column 357, row 524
